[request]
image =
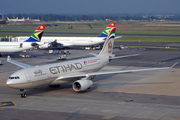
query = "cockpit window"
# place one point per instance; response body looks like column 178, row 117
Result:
column 16, row 77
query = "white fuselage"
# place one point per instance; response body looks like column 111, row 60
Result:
column 68, row 41
column 47, row 74
column 16, row 20
column 14, row 46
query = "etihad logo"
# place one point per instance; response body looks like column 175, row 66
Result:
column 65, row 68
column 110, row 47
column 38, row 72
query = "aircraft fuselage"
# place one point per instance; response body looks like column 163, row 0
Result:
column 14, row 46
column 47, row 74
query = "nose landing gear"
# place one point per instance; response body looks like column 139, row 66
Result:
column 23, row 95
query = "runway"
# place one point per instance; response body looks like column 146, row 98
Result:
column 149, row 95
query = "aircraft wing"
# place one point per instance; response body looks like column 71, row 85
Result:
column 118, row 37
column 93, row 54
column 22, row 65
column 83, row 75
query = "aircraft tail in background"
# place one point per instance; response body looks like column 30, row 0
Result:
column 37, row 35
column 107, row 29
column 109, row 43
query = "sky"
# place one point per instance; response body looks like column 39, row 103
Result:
column 86, row 7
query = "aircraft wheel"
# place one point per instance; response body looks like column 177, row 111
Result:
column 23, row 95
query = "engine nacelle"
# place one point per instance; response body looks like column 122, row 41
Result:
column 47, row 45
column 34, row 44
column 82, row 85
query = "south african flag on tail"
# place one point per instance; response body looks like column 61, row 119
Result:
column 37, row 35
column 109, row 43
column 108, row 28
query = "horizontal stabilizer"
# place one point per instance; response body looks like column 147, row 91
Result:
column 124, row 56
column 118, row 37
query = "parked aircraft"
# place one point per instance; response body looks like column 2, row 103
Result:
column 23, row 20
column 15, row 20
column 33, row 41
column 80, row 72
column 66, row 42
column 31, row 20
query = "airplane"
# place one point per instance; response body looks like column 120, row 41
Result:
column 31, row 20
column 80, row 72
column 15, row 20
column 22, row 20
column 66, row 42
column 33, row 41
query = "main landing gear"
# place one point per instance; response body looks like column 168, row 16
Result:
column 23, row 95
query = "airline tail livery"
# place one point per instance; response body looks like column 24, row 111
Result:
column 107, row 29
column 31, row 42
column 37, row 35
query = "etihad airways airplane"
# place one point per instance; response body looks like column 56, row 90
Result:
column 79, row 72
column 29, row 43
column 66, row 42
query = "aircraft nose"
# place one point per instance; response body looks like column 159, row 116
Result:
column 8, row 82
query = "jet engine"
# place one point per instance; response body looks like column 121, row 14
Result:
column 47, row 45
column 82, row 85
column 34, row 44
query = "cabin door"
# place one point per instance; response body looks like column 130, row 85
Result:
column 28, row 78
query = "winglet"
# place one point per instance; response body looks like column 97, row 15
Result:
column 174, row 64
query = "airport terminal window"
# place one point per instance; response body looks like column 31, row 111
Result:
column 16, row 77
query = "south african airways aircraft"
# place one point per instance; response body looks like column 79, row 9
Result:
column 66, row 42
column 80, row 72
column 32, row 41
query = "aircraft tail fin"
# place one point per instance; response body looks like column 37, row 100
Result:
column 7, row 18
column 107, row 29
column 109, row 43
column 37, row 35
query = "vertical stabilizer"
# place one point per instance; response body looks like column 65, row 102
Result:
column 109, row 43
column 107, row 29
column 37, row 35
